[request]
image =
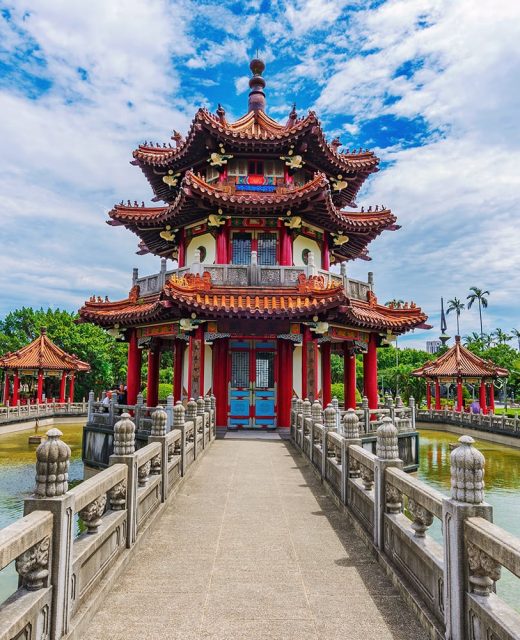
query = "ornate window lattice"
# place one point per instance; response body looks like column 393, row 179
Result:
column 267, row 248
column 239, row 369
column 241, row 244
column 265, row 370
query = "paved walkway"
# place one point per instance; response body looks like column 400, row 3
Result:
column 252, row 548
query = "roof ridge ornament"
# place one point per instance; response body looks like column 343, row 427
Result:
column 256, row 100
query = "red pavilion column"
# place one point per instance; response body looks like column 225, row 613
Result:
column 370, row 372
column 196, row 363
column 16, row 388
column 133, row 376
column 326, row 374
column 349, row 377
column 325, row 253
column 220, row 379
column 482, row 397
column 7, row 387
column 284, row 383
column 460, row 400
column 222, row 245
column 181, row 251
column 71, row 387
column 178, row 366
column 63, row 384
column 492, row 397
column 428, row 395
column 309, row 365
column 286, row 252
column 39, row 391
column 437, row 394
column 152, row 382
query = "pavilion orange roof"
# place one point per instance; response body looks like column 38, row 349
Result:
column 459, row 362
column 254, row 132
column 42, row 353
column 196, row 294
column 312, row 202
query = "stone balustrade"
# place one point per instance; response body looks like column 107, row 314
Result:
column 24, row 412
column 65, row 572
column 492, row 423
column 450, row 583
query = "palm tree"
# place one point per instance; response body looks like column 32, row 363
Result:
column 456, row 305
column 474, row 340
column 501, row 336
column 478, row 295
column 516, row 334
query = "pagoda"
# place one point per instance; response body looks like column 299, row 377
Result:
column 460, row 366
column 40, row 360
column 261, row 220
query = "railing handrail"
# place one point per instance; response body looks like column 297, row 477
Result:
column 418, row 490
column 500, row 545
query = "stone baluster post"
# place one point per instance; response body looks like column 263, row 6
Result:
column 366, row 414
column 317, row 412
column 335, row 404
column 51, row 494
column 329, row 424
column 351, row 437
column 387, row 452
column 158, row 434
column 139, row 411
column 213, row 433
column 124, row 449
column 207, row 411
column 293, row 416
column 299, row 411
column 466, row 500
column 195, row 265
column 306, row 413
column 179, row 418
column 191, row 416
column 389, row 403
column 169, row 413
column 411, row 404
column 90, row 409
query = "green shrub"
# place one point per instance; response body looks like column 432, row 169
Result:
column 339, row 391
column 165, row 389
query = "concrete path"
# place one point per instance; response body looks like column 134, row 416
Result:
column 252, row 548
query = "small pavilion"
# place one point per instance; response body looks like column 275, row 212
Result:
column 459, row 365
column 41, row 359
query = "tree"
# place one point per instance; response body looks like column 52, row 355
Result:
column 456, row 305
column 501, row 336
column 516, row 334
column 478, row 295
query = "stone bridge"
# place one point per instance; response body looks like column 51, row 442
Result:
column 256, row 537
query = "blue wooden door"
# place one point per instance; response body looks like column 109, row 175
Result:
column 264, row 388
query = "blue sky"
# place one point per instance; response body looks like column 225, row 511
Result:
column 431, row 85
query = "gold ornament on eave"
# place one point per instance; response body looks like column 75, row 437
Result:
column 167, row 234
column 171, row 179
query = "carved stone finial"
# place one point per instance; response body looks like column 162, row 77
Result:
column 52, row 466
column 364, row 403
column 351, row 425
column 467, row 472
column 213, row 403
column 124, row 436
column 299, row 405
column 399, row 402
column 386, row 445
column 307, row 408
column 200, row 406
column 317, row 412
column 191, row 410
column 159, row 418
column 329, row 417
column 179, row 415
column 207, row 404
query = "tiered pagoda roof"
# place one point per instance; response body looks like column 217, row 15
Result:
column 42, row 353
column 459, row 362
column 254, row 132
column 181, row 297
column 312, row 202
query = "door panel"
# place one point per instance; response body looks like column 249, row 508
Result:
column 239, row 397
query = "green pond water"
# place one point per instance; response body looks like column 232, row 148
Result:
column 17, row 469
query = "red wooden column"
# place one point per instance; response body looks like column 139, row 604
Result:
column 437, row 394
column 71, row 387
column 222, row 245
column 349, row 377
column 63, row 385
column 220, row 379
column 460, row 400
column 284, row 383
column 309, row 365
column 326, row 374
column 325, row 253
column 181, row 251
column 133, row 376
column 286, row 252
column 7, row 387
column 482, row 397
column 370, row 372
column 492, row 397
column 196, row 363
column 39, row 392
column 152, row 382
column 428, row 395
column 16, row 388
column 178, row 366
